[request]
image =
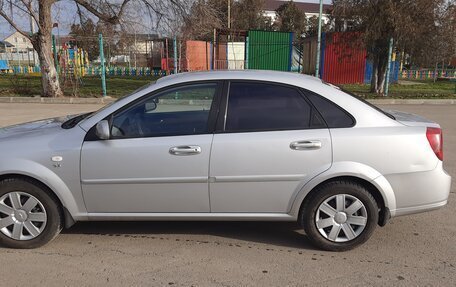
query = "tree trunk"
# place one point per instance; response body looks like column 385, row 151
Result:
column 42, row 42
column 381, row 76
column 49, row 78
column 374, row 79
column 379, row 63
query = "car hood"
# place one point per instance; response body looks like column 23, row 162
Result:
column 411, row 119
column 42, row 126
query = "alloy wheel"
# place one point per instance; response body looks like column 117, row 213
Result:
column 341, row 218
column 22, row 216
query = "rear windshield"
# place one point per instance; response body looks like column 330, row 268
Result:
column 363, row 100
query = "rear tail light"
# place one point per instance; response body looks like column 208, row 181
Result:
column 435, row 139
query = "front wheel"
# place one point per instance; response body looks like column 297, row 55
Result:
column 339, row 216
column 29, row 216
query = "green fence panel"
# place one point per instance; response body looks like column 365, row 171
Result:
column 270, row 50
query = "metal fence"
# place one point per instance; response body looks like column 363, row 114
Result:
column 428, row 74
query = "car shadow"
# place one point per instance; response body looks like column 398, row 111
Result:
column 280, row 234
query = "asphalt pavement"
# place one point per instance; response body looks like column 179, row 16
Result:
column 417, row 250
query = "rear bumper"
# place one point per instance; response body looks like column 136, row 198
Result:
column 420, row 191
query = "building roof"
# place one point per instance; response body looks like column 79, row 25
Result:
column 306, row 7
column 5, row 43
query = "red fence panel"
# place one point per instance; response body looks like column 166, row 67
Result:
column 344, row 58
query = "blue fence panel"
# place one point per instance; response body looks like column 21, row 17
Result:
column 394, row 72
column 3, row 65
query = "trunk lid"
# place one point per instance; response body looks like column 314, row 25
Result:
column 412, row 119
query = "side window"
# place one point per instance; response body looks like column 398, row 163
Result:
column 334, row 116
column 263, row 107
column 179, row 111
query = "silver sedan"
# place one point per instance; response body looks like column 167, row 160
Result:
column 229, row 145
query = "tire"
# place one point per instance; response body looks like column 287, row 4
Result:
column 30, row 216
column 350, row 222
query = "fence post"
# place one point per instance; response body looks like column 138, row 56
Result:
column 102, row 62
column 54, row 50
column 317, row 64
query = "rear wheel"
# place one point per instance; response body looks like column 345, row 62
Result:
column 29, row 215
column 339, row 216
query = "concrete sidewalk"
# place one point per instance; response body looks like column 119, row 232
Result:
column 69, row 100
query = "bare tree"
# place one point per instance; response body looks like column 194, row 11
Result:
column 110, row 12
column 206, row 15
column 411, row 23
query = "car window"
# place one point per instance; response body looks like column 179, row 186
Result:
column 334, row 116
column 179, row 111
column 264, row 106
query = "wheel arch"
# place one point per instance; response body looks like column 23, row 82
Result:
column 384, row 213
column 68, row 218
column 371, row 179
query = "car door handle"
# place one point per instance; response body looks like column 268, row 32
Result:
column 305, row 145
column 185, row 150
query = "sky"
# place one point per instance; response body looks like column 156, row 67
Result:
column 64, row 13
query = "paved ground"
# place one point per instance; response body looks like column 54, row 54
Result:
column 418, row 250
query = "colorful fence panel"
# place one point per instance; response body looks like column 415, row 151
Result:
column 428, row 74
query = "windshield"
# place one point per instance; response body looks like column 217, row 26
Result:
column 78, row 118
column 123, row 97
column 75, row 120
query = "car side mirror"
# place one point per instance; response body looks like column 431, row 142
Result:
column 102, row 130
column 150, row 106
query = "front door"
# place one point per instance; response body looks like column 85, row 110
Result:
column 272, row 142
column 157, row 157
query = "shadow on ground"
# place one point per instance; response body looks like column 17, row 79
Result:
column 283, row 234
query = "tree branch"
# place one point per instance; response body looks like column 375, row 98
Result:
column 30, row 10
column 11, row 22
column 113, row 19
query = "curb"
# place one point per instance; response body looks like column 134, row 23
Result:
column 40, row 100
column 412, row 101
column 100, row 101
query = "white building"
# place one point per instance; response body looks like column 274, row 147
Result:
column 21, row 51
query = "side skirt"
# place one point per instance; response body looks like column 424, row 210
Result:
column 188, row 217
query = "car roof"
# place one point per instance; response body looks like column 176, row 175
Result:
column 363, row 116
column 258, row 75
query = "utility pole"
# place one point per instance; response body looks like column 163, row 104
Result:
column 317, row 64
column 102, row 62
column 229, row 14
column 135, row 51
column 6, row 54
column 175, row 54
column 32, row 31
column 388, row 68
column 17, row 53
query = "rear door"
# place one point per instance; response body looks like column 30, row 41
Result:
column 270, row 142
